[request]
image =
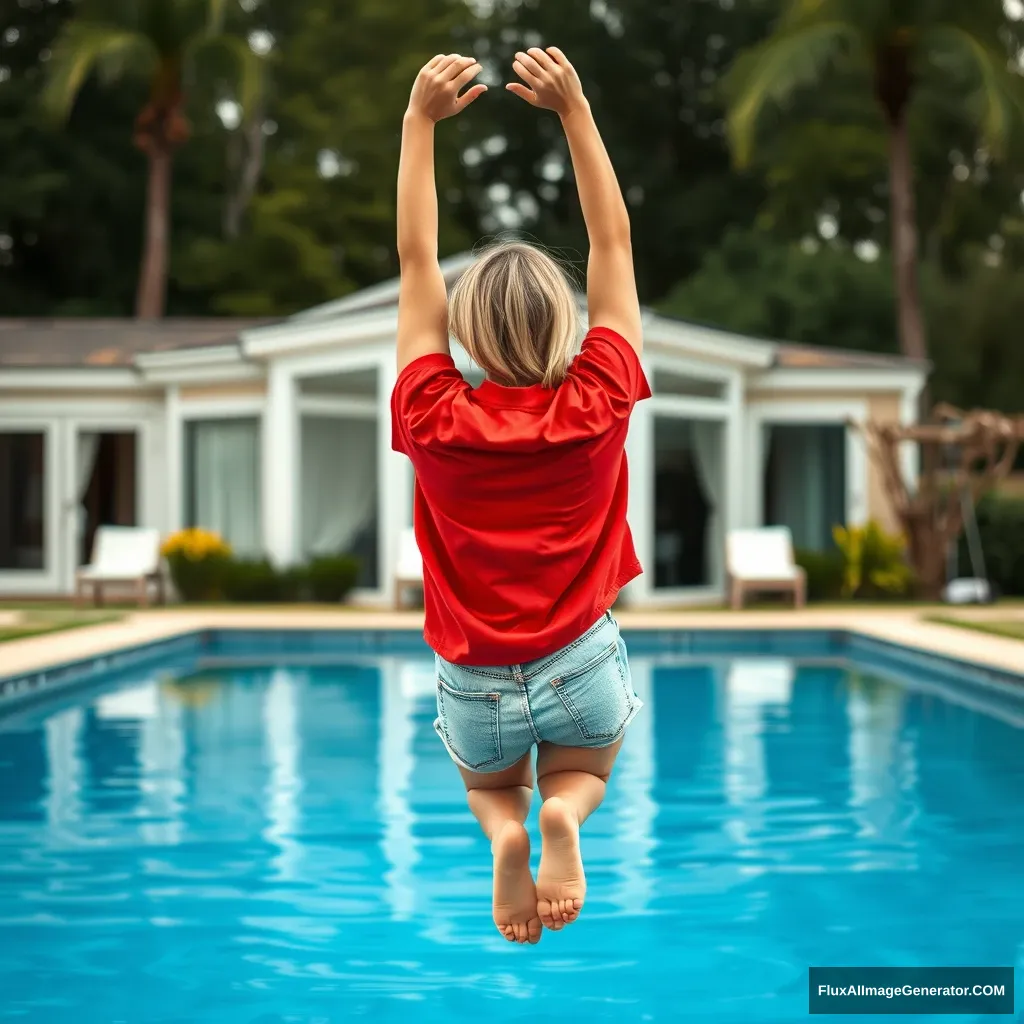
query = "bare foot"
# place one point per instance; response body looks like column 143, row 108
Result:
column 515, row 895
column 561, row 884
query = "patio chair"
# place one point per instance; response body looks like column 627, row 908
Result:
column 122, row 555
column 409, row 572
column 762, row 561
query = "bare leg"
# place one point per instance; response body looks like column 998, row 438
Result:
column 572, row 782
column 501, row 801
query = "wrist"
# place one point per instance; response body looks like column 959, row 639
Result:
column 417, row 117
column 580, row 108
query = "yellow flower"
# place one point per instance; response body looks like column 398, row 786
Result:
column 196, row 544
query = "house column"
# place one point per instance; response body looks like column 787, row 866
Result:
column 740, row 509
column 174, row 442
column 280, row 454
column 910, row 454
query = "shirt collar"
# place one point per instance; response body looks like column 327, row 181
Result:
column 536, row 396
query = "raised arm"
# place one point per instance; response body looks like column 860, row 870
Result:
column 551, row 82
column 422, row 299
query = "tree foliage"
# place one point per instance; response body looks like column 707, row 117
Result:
column 296, row 205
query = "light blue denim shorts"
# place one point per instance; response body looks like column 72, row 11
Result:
column 581, row 696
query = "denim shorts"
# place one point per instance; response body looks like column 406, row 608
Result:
column 581, row 696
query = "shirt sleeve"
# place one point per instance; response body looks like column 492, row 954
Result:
column 609, row 366
column 421, row 400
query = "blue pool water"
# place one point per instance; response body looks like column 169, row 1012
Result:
column 291, row 844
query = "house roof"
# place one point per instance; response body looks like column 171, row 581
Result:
column 360, row 317
column 80, row 342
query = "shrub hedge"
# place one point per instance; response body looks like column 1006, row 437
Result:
column 258, row 581
column 1001, row 526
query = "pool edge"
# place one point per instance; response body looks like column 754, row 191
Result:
column 798, row 641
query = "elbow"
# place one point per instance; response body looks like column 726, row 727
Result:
column 414, row 252
column 614, row 236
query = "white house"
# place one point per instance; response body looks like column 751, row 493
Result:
column 278, row 435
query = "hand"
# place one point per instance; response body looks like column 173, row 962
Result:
column 551, row 81
column 435, row 93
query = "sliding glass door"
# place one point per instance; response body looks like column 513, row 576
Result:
column 689, row 503
column 28, row 533
column 223, row 479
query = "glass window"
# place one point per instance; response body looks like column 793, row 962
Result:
column 805, row 482
column 339, row 495
column 668, row 382
column 23, row 502
column 688, row 502
column 223, row 481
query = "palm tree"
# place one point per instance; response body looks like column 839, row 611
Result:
column 898, row 48
column 167, row 42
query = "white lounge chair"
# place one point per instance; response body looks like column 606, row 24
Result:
column 409, row 572
column 762, row 561
column 122, row 555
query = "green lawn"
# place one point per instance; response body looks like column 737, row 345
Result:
column 37, row 621
column 1014, row 630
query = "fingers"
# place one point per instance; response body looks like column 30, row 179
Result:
column 468, row 74
column 469, row 96
column 526, row 75
column 558, row 57
column 543, row 59
column 523, row 93
column 527, row 68
column 434, row 62
column 451, row 71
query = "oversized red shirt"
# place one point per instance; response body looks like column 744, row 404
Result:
column 520, row 500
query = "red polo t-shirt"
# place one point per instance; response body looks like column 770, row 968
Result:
column 520, row 500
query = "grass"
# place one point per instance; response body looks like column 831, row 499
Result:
column 36, row 622
column 1013, row 630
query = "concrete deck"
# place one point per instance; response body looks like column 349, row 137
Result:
column 900, row 626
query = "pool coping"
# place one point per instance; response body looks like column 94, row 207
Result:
column 47, row 665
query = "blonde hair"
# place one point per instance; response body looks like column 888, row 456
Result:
column 514, row 312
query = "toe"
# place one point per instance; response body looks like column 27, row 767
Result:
column 544, row 912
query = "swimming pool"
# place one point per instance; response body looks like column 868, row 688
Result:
column 266, row 829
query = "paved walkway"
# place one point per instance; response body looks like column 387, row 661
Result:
column 901, row 626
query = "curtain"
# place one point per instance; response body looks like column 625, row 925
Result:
column 225, row 477
column 88, row 447
column 707, row 455
column 793, row 480
column 339, row 482
column 809, row 493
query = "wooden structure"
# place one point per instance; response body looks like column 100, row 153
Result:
column 963, row 456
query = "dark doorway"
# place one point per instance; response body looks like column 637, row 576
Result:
column 23, row 501
column 111, row 493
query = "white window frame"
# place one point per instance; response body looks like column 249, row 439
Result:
column 728, row 411
column 140, row 416
column 821, row 412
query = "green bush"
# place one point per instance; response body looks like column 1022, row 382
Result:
column 331, row 578
column 875, row 563
column 826, row 571
column 199, row 579
column 1001, row 525
column 257, row 581
column 253, row 581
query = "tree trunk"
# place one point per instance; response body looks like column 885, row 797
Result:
column 903, row 214
column 152, row 292
column 247, row 165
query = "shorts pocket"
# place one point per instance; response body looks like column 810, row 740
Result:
column 468, row 723
column 598, row 695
